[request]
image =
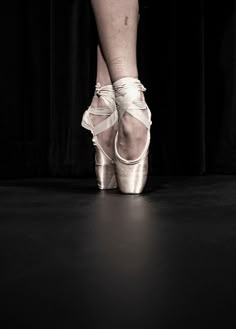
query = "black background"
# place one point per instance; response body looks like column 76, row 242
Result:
column 186, row 58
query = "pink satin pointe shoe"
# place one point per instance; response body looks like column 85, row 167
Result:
column 104, row 165
column 132, row 175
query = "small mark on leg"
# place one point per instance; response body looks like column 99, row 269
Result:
column 126, row 20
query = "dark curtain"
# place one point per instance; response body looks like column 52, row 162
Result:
column 186, row 58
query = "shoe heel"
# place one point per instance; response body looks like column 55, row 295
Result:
column 132, row 175
column 132, row 178
column 105, row 171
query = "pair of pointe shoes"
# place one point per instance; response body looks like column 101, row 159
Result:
column 122, row 97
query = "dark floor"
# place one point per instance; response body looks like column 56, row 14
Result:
column 76, row 257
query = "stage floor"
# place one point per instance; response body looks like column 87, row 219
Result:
column 76, row 257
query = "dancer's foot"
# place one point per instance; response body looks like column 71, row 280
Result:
column 105, row 138
column 133, row 138
column 132, row 135
column 101, row 119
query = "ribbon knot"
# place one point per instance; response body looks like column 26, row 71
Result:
column 98, row 89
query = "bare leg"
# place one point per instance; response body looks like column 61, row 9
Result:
column 103, row 75
column 117, row 23
column 106, row 138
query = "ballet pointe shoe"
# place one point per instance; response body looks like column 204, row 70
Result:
column 132, row 175
column 104, row 165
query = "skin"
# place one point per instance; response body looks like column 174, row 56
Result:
column 117, row 24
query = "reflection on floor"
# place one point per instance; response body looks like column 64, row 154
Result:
column 76, row 257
